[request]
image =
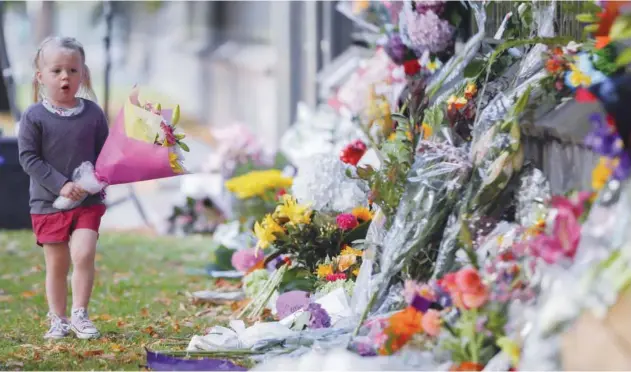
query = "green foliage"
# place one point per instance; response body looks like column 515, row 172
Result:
column 297, row 279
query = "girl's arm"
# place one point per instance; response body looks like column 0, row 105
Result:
column 30, row 144
column 102, row 131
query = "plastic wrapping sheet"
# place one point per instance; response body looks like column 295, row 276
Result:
column 543, row 17
column 451, row 75
column 434, row 182
column 497, row 157
column 565, row 292
column 320, row 131
column 533, row 192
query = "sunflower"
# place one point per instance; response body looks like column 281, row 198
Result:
column 324, row 270
column 362, row 214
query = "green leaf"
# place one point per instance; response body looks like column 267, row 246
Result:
column 621, row 28
column 587, row 18
column 400, row 118
column 522, row 102
column 624, row 58
column 357, row 233
column 184, row 146
column 474, row 68
column 591, row 28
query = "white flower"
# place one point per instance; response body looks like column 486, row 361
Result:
column 322, row 182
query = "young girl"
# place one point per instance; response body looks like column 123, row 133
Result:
column 57, row 134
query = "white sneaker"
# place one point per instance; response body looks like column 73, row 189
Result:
column 82, row 326
column 59, row 328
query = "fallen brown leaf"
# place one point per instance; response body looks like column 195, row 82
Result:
column 144, row 312
column 117, row 348
column 28, row 294
column 104, row 317
column 92, row 353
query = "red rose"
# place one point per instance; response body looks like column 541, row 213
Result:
column 411, row 67
column 353, row 152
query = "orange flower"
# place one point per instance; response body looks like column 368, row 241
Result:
column 406, row 322
column 602, row 41
column 475, row 300
column 553, row 65
column 466, row 366
column 431, row 322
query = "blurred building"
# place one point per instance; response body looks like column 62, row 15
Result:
column 224, row 61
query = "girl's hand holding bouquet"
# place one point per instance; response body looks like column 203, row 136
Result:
column 142, row 145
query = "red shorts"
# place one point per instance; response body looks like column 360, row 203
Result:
column 57, row 227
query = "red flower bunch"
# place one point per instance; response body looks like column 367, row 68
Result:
column 411, row 67
column 280, row 193
column 335, row 277
column 352, row 153
column 346, row 221
column 466, row 288
column 168, row 133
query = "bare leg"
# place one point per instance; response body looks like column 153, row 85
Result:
column 57, row 258
column 82, row 251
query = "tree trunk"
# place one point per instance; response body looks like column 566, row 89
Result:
column 5, row 68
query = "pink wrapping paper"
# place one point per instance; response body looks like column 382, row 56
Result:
column 126, row 160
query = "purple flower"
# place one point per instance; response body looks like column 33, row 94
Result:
column 442, row 296
column 623, row 169
column 425, row 32
column 423, row 6
column 396, row 50
column 319, row 317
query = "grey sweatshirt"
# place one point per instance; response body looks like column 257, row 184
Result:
column 53, row 146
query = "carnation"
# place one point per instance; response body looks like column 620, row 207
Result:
column 425, row 31
column 323, row 184
column 346, row 221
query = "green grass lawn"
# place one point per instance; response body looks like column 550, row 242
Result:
column 139, row 300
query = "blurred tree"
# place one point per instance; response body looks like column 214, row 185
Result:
column 8, row 86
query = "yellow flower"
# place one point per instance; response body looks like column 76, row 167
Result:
column 324, row 270
column 265, row 231
column 432, row 66
column 392, row 136
column 363, row 214
column 345, row 262
column 294, row 212
column 348, row 251
column 601, row 174
column 355, row 271
column 470, row 90
column 360, row 5
column 175, row 164
column 510, row 348
column 578, row 77
column 457, row 102
column 257, row 183
column 427, row 130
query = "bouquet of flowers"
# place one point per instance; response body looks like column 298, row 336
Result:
column 142, row 145
column 307, row 236
column 497, row 156
column 434, row 182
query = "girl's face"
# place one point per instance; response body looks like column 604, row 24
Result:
column 61, row 73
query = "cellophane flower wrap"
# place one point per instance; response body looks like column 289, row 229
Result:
column 142, row 145
column 497, row 156
column 434, row 183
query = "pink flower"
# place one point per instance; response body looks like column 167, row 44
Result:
column 245, row 259
column 431, row 322
column 468, row 280
column 565, row 238
column 575, row 203
column 335, row 277
column 475, row 300
column 413, row 288
column 346, row 221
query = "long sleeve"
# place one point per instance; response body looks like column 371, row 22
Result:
column 101, row 135
column 30, row 144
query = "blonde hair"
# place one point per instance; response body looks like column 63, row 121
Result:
column 68, row 43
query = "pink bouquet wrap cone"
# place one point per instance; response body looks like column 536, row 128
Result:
column 142, row 145
column 127, row 160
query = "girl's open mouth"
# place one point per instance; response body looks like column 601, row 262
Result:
column 65, row 87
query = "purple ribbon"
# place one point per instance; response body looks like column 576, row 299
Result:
column 161, row 362
column 421, row 303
